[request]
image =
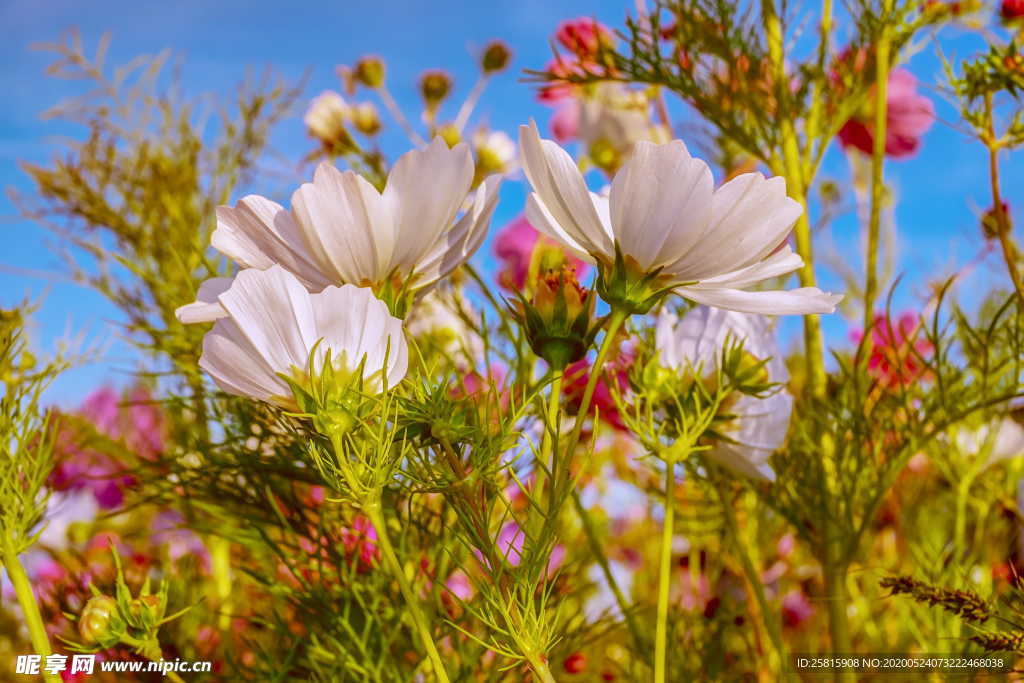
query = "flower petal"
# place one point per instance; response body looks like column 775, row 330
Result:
column 345, row 224
column 236, row 366
column 780, row 263
column 750, row 217
column 206, row 308
column 561, row 190
column 425, row 189
column 660, row 203
column 802, row 301
column 273, row 310
column 257, row 233
column 464, row 238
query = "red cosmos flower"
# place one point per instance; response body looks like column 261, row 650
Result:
column 896, row 349
column 1012, row 9
column 584, row 37
column 908, row 116
column 578, row 374
column 515, row 245
column 796, row 608
column 360, row 541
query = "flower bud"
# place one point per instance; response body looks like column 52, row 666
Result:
column 558, row 320
column 145, row 611
column 369, row 71
column 576, row 663
column 993, row 224
column 434, row 87
column 495, row 58
column 365, row 118
column 583, row 37
column 326, row 118
column 99, row 622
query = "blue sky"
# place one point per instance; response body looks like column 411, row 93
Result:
column 940, row 190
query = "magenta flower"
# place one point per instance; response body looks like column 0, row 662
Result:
column 132, row 419
column 897, row 349
column 796, row 608
column 514, row 246
column 909, row 115
column 510, row 543
column 603, row 402
column 584, row 37
column 565, row 122
column 360, row 540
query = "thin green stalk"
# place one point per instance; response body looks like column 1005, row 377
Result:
column 837, row 599
column 29, row 606
column 770, row 623
column 664, row 575
column 1011, row 254
column 792, row 169
column 220, row 556
column 548, row 452
column 877, row 177
column 373, row 511
column 615, row 322
column 151, row 651
column 817, row 100
column 540, row 668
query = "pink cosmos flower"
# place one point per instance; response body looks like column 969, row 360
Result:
column 909, row 115
column 603, row 402
column 360, row 540
column 565, row 122
column 896, row 349
column 514, row 247
column 583, row 36
column 510, row 544
column 132, row 419
column 460, row 585
column 796, row 608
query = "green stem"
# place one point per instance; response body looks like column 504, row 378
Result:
column 769, row 622
column 817, row 99
column 1011, row 255
column 615, row 322
column 664, row 575
column 547, row 447
column 540, row 668
column 837, row 598
column 151, row 651
column 29, row 606
column 877, row 177
column 220, row 556
column 618, row 317
column 373, row 511
column 792, row 169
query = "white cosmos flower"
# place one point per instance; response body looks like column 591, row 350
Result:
column 341, row 230
column 664, row 215
column 760, row 423
column 272, row 324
